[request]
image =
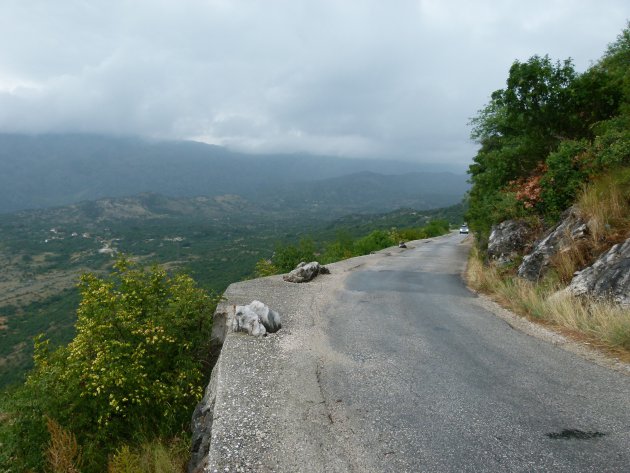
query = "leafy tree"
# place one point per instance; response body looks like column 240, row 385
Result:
column 527, row 119
column 134, row 370
column 287, row 257
column 615, row 65
column 595, row 96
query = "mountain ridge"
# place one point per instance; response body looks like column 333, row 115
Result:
column 42, row 171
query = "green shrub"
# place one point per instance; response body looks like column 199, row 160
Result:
column 377, row 240
column 564, row 177
column 340, row 249
column 435, row 228
column 611, row 147
column 265, row 267
column 344, row 246
column 287, row 257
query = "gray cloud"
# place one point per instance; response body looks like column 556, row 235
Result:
column 360, row 78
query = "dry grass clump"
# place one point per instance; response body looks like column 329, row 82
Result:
column 482, row 278
column 603, row 321
column 63, row 454
column 518, row 294
column 605, row 204
column 575, row 256
column 125, row 461
column 152, row 457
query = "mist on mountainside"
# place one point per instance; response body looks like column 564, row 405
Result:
column 40, row 171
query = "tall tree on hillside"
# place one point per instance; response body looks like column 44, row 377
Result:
column 526, row 120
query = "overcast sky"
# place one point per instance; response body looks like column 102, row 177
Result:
column 395, row 78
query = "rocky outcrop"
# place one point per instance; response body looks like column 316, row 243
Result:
column 508, row 240
column 201, row 427
column 256, row 319
column 570, row 229
column 305, row 272
column 608, row 278
column 203, row 415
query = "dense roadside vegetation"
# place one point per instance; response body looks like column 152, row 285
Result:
column 288, row 256
column 552, row 139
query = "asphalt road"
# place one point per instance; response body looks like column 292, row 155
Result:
column 417, row 376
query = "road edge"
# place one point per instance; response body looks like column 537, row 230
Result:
column 546, row 333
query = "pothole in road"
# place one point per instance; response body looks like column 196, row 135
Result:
column 575, row 434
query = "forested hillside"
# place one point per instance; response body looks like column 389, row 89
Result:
column 547, row 134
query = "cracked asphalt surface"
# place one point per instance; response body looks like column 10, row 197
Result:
column 391, row 364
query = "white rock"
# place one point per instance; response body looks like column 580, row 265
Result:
column 256, row 319
column 246, row 320
column 269, row 318
column 607, row 278
column 304, row 272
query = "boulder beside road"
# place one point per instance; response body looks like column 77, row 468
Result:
column 305, row 272
column 508, row 240
column 571, row 228
column 608, row 278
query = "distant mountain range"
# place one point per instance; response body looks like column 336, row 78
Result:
column 53, row 170
column 367, row 192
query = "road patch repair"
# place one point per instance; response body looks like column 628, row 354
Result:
column 567, row 434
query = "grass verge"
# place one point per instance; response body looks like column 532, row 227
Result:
column 152, row 457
